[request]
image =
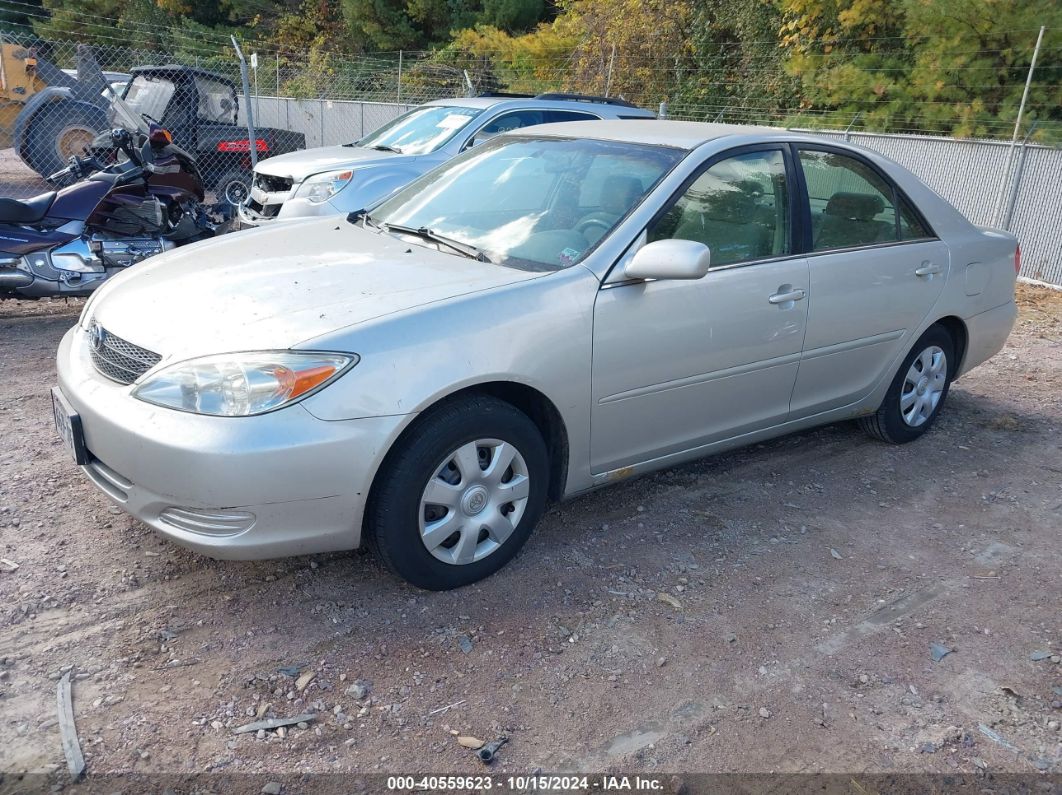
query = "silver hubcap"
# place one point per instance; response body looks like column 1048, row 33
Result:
column 474, row 501
column 235, row 192
column 923, row 386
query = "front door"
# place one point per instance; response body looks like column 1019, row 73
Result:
column 680, row 364
column 876, row 272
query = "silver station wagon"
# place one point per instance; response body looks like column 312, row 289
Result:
column 550, row 312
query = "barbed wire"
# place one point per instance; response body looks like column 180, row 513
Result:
column 700, row 89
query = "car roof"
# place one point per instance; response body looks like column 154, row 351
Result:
column 603, row 108
column 658, row 132
column 174, row 68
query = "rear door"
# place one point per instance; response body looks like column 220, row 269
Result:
column 876, row 271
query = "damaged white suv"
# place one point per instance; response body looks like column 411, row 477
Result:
column 330, row 180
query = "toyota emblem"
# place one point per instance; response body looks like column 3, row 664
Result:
column 97, row 336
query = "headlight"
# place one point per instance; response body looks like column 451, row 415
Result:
column 242, row 384
column 322, row 187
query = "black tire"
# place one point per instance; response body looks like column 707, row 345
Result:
column 233, row 186
column 888, row 423
column 394, row 514
column 56, row 131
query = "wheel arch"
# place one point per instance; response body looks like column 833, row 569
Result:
column 956, row 328
column 527, row 399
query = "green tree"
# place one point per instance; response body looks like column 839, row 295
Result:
column 736, row 71
column 948, row 66
column 512, row 16
column 18, row 18
column 379, row 24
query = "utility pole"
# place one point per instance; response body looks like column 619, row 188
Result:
column 1017, row 128
column 252, row 139
column 611, row 63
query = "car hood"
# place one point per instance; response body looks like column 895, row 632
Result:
column 273, row 288
column 297, row 166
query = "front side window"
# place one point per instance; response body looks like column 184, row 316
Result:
column 421, row 130
column 851, row 205
column 521, row 200
column 739, row 208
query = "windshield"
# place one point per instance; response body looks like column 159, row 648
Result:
column 422, row 130
column 149, row 94
column 532, row 203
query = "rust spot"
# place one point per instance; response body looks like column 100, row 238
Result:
column 620, row 474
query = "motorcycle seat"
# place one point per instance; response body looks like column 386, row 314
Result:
column 29, row 211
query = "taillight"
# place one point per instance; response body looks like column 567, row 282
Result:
column 243, row 145
column 1017, row 259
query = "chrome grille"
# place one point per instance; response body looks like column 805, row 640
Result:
column 118, row 359
column 272, row 184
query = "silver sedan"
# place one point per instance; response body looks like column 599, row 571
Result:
column 548, row 313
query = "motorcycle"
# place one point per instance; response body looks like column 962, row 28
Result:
column 116, row 213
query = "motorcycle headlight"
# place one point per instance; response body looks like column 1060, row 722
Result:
column 322, row 187
column 242, row 384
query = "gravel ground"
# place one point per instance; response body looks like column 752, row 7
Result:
column 771, row 609
column 17, row 180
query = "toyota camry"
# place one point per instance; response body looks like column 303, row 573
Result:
column 553, row 311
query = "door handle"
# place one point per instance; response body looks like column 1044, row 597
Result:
column 928, row 269
column 787, row 297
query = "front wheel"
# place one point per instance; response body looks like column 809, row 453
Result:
column 918, row 390
column 460, row 495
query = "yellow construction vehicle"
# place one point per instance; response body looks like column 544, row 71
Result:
column 48, row 114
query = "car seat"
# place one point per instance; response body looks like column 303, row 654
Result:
column 849, row 220
column 730, row 223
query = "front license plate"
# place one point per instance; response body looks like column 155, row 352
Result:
column 68, row 426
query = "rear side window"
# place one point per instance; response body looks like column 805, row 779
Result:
column 569, row 115
column 738, row 208
column 911, row 226
column 851, row 205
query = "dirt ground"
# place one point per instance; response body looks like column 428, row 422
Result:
column 767, row 610
column 17, row 181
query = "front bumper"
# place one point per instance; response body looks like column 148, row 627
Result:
column 262, row 209
column 242, row 488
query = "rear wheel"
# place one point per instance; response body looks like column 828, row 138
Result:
column 461, row 495
column 917, row 392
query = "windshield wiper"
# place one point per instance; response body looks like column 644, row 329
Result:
column 465, row 249
column 386, row 148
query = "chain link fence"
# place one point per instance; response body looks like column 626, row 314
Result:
column 54, row 100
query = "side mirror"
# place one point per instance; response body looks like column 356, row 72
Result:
column 669, row 259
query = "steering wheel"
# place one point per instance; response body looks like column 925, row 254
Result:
column 585, row 226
